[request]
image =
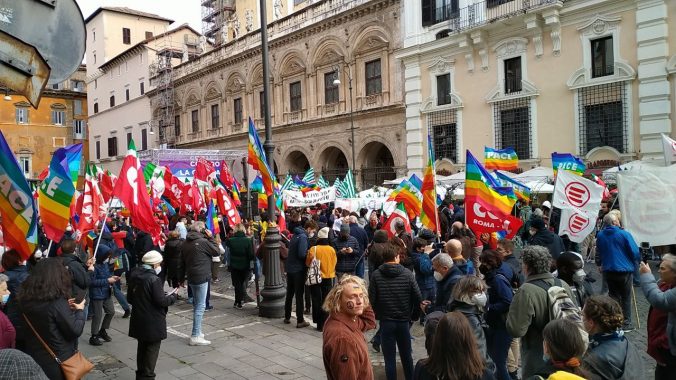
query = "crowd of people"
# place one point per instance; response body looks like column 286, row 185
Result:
column 492, row 308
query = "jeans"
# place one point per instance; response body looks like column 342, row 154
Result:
column 499, row 342
column 359, row 270
column 396, row 334
column 119, row 296
column 199, row 293
column 619, row 289
column 637, row 274
column 239, row 277
column 208, row 294
column 226, row 255
column 103, row 314
column 295, row 286
column 319, row 293
column 146, row 359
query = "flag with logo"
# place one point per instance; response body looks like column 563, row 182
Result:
column 669, row 145
column 204, row 169
column 407, row 194
column 348, row 188
column 520, row 190
column 309, row 177
column 576, row 224
column 579, row 200
column 256, row 158
column 92, row 205
column 399, row 214
column 428, row 214
column 55, row 196
column 567, row 162
column 501, row 159
column 71, row 160
column 322, row 183
column 339, row 188
column 19, row 214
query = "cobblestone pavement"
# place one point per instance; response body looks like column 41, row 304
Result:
column 245, row 346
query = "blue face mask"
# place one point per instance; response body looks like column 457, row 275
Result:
column 5, row 298
column 545, row 358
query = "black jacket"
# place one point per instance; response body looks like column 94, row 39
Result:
column 197, row 257
column 515, row 264
column 394, row 293
column 145, row 293
column 78, row 273
column 142, row 244
column 58, row 326
column 172, row 257
column 445, row 288
column 549, row 240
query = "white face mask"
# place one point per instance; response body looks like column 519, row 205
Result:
column 158, row 270
column 438, row 276
column 532, row 232
column 480, row 299
column 579, row 275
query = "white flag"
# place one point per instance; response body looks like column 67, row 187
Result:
column 577, row 225
column 577, row 193
column 669, row 149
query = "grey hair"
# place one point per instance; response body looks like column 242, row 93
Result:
column 3, row 278
column 538, row 212
column 610, row 219
column 198, row 226
column 667, row 256
column 399, row 225
column 353, row 219
column 443, row 259
column 537, row 259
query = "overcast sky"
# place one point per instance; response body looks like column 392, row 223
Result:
column 181, row 11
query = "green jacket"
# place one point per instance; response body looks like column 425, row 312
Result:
column 241, row 251
column 527, row 317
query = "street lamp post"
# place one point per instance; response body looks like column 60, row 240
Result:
column 273, row 293
column 349, row 82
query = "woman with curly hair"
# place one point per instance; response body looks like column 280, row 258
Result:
column 562, row 348
column 453, row 330
column 610, row 356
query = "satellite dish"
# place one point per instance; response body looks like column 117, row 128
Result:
column 55, row 28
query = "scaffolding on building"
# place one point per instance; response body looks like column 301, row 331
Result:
column 215, row 17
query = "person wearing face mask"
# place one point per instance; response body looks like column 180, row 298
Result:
column 101, row 279
column 7, row 331
column 562, row 353
column 446, row 275
column 148, row 324
column 470, row 299
column 540, row 235
column 570, row 268
column 372, row 227
column 497, row 275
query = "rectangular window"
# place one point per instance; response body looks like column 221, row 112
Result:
column 79, row 129
column 98, row 150
column 112, row 146
column 261, row 102
column 21, row 115
column 495, row 3
column 58, row 117
column 77, row 107
column 94, row 58
column 603, row 61
column 25, row 166
column 215, row 117
column 330, row 89
column 237, row 110
column 142, row 88
column 442, row 127
column 603, row 117
column 77, row 85
column 512, row 121
column 195, row 121
column 295, row 96
column 149, row 35
column 96, row 107
column 126, row 36
column 126, row 94
column 112, row 100
column 177, row 125
column 129, row 137
column 144, row 139
column 443, row 89
column 373, row 80
column 56, row 86
column 512, row 75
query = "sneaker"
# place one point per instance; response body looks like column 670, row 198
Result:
column 198, row 341
column 287, row 321
column 375, row 345
column 300, row 325
column 104, row 335
column 127, row 313
column 222, row 265
column 238, row 306
column 216, row 280
column 190, row 300
column 209, row 308
column 95, row 341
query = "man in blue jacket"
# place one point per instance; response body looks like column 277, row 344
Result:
column 617, row 254
column 296, row 272
column 424, row 272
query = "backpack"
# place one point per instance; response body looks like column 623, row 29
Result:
column 314, row 274
column 561, row 306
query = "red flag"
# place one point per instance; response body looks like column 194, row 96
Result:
column 399, row 213
column 598, row 180
column 204, row 169
column 227, row 207
column 226, row 177
column 106, row 186
column 131, row 190
column 196, row 197
column 44, row 174
column 90, row 204
column 173, row 189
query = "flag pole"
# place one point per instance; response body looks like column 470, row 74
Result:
column 102, row 220
column 49, row 247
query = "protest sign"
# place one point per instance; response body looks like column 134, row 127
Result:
column 294, row 198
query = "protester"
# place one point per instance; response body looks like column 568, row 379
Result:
column 454, row 249
column 362, row 238
column 570, row 268
column 499, row 299
column 148, row 324
column 403, row 235
column 344, row 349
column 506, row 250
column 395, row 296
column 348, row 251
column 14, row 269
column 326, row 255
column 55, row 318
column 662, row 315
column 372, row 226
column 198, row 250
column 296, row 272
column 171, row 264
column 424, row 273
column 446, row 275
column 241, row 257
column 376, row 250
column 182, row 227
column 453, row 330
column 617, row 255
column 7, row 331
column 610, row 356
column 562, row 352
column 540, row 235
column 100, row 293
column 529, row 311
column 15, row 364
column 79, row 271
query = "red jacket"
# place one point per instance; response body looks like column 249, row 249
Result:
column 7, row 332
column 119, row 236
column 658, row 342
column 345, row 353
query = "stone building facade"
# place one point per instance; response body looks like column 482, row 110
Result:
column 352, row 41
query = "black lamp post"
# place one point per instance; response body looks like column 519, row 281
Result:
column 337, row 82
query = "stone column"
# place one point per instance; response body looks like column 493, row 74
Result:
column 414, row 128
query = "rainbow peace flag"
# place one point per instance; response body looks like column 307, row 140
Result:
column 55, row 196
column 258, row 160
column 566, row 161
column 500, row 159
column 72, row 161
column 19, row 215
column 480, row 186
column 428, row 214
column 212, row 218
column 407, row 194
column 520, row 190
column 235, row 193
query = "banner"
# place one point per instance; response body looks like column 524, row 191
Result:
column 648, row 203
column 298, row 199
column 575, row 192
column 568, row 162
column 355, row 204
column 577, row 225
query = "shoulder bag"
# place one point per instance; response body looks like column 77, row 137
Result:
column 75, row 367
column 314, row 274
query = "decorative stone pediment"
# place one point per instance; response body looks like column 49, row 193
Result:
column 599, row 25
column 293, row 66
column 192, row 100
column 528, row 89
column 329, row 57
column 58, row 106
column 430, row 104
column 441, row 65
column 22, row 104
column 212, row 93
column 235, row 84
column 582, row 76
column 510, row 47
column 372, row 42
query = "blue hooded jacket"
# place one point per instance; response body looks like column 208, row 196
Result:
column 298, row 247
column 617, row 250
column 424, row 272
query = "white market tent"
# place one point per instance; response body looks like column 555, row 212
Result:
column 633, row 165
column 541, row 173
column 540, row 187
column 374, row 192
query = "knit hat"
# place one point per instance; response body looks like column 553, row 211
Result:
column 152, row 258
column 323, row 233
column 380, row 236
column 538, row 224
